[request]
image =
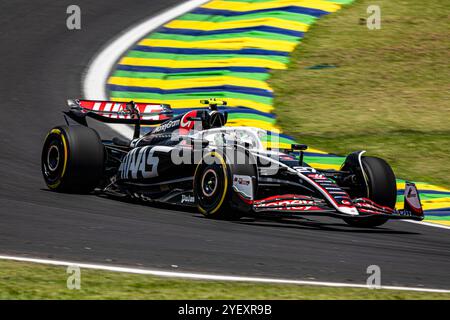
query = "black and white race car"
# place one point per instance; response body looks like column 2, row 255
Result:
column 194, row 160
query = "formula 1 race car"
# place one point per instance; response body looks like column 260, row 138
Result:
column 192, row 159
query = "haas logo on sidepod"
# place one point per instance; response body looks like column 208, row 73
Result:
column 139, row 163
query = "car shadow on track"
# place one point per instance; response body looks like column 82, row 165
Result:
column 298, row 223
column 308, row 224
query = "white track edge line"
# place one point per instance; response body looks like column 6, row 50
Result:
column 429, row 224
column 200, row 276
column 96, row 76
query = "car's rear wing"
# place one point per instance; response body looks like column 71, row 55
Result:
column 119, row 112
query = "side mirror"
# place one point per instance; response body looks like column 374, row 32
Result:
column 301, row 148
column 298, row 147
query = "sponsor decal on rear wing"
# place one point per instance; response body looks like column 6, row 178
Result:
column 119, row 112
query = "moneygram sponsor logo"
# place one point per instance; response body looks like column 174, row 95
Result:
column 166, row 126
column 287, row 205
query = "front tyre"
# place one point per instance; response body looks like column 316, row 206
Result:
column 381, row 188
column 72, row 159
column 212, row 187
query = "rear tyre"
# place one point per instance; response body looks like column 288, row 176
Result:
column 382, row 189
column 72, row 159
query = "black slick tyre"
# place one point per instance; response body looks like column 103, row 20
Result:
column 72, row 159
column 382, row 189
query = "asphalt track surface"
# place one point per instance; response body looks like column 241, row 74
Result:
column 42, row 64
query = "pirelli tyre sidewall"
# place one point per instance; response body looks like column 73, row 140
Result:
column 212, row 185
column 72, row 159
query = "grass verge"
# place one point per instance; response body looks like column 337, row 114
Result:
column 386, row 91
column 20, row 280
